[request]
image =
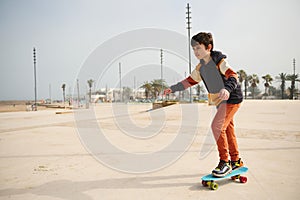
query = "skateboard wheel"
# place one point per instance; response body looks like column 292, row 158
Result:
column 235, row 177
column 243, row 179
column 214, row 186
column 204, row 183
column 208, row 183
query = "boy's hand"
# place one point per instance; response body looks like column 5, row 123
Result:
column 167, row 91
column 224, row 94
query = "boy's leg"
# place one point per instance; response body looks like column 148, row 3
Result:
column 232, row 141
column 220, row 123
column 220, row 136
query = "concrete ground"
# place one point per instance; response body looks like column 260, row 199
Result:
column 42, row 154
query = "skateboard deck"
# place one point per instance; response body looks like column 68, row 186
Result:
column 209, row 180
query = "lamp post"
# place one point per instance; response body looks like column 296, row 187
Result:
column 189, row 42
column 161, row 73
column 120, row 77
column 35, row 87
column 78, row 94
column 294, row 78
column 294, row 66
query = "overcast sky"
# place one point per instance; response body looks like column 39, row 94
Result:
column 259, row 36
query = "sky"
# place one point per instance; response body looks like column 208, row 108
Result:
column 258, row 36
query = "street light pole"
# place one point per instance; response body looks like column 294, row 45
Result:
column 294, row 66
column 50, row 97
column 120, row 77
column 189, row 42
column 35, row 87
column 294, row 78
column 161, row 73
column 134, row 88
column 78, row 94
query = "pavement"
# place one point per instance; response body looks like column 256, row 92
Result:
column 46, row 156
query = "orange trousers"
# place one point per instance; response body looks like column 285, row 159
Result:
column 223, row 130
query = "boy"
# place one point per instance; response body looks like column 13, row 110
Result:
column 224, row 92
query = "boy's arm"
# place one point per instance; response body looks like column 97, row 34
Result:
column 231, row 76
column 193, row 79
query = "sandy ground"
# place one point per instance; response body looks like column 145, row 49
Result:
column 43, row 157
column 19, row 106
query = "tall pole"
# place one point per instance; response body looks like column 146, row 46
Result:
column 120, row 77
column 161, row 73
column 189, row 42
column 106, row 93
column 70, row 95
column 294, row 77
column 134, row 88
column 294, row 66
column 78, row 95
column 35, row 87
column 50, row 93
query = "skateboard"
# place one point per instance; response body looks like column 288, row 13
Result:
column 209, row 180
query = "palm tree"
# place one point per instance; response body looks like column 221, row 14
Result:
column 90, row 83
column 293, row 78
column 64, row 91
column 282, row 77
column 154, row 88
column 268, row 81
column 254, row 81
column 243, row 77
column 157, row 86
column 148, row 89
column 246, row 85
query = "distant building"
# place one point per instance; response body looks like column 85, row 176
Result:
column 114, row 95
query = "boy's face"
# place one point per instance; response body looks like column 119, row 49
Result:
column 200, row 51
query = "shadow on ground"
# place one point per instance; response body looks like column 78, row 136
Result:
column 72, row 190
